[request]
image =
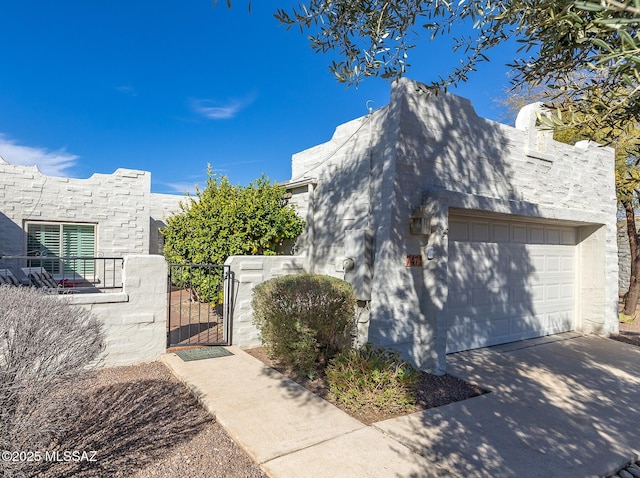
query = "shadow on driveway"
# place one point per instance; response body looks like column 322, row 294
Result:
column 566, row 405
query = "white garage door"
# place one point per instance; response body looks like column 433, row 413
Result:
column 508, row 281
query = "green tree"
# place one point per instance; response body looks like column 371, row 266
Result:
column 223, row 220
column 558, row 38
column 628, row 191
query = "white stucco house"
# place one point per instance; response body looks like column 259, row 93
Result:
column 462, row 232
column 106, row 214
column 456, row 232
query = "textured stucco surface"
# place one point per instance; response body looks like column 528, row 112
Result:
column 246, row 272
column 121, row 206
column 436, row 152
column 117, row 203
column 127, row 217
column 135, row 318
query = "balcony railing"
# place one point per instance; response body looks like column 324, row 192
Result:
column 69, row 274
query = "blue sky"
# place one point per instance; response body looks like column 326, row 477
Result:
column 171, row 86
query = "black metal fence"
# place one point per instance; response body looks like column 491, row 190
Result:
column 66, row 274
column 198, row 313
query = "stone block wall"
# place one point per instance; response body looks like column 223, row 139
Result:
column 444, row 156
column 246, row 273
column 434, row 151
column 134, row 319
column 118, row 204
column 624, row 259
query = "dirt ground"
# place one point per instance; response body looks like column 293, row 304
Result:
column 433, row 391
column 629, row 332
column 140, row 421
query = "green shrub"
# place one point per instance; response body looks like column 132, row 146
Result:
column 304, row 319
column 224, row 220
column 372, row 379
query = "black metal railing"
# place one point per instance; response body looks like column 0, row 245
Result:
column 197, row 311
column 68, row 274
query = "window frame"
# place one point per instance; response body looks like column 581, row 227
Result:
column 63, row 241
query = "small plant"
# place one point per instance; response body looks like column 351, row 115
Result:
column 626, row 319
column 372, row 379
column 304, row 319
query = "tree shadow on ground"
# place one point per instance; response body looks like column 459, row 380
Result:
column 128, row 425
column 549, row 404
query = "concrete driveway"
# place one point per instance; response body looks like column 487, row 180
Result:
column 567, row 405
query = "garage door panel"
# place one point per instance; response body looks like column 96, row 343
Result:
column 487, row 313
column 552, row 236
column 458, row 299
column 552, row 292
column 480, row 231
column 480, row 297
column 478, row 264
column 478, row 334
column 537, row 262
column 517, row 284
column 560, row 321
column 519, row 234
column 526, row 326
column 500, row 233
column 536, row 235
column 532, row 294
column 459, row 230
column 518, row 294
column 570, row 237
column 558, row 292
column 558, row 305
column 552, row 263
column 486, row 333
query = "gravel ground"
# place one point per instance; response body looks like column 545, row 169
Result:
column 629, row 333
column 142, row 422
column 433, row 391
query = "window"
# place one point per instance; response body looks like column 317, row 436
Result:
column 62, row 240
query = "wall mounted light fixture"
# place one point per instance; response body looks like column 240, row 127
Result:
column 348, row 264
column 420, row 222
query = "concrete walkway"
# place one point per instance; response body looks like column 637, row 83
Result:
column 561, row 406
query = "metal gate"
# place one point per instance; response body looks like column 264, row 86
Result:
column 197, row 312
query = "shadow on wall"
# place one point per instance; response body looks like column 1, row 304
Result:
column 420, row 150
column 12, row 237
column 156, row 239
column 437, row 153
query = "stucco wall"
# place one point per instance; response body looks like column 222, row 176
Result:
column 436, row 152
column 624, row 258
column 246, row 273
column 162, row 206
column 118, row 203
column 134, row 319
column 126, row 213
